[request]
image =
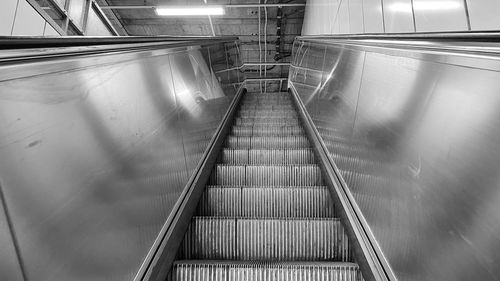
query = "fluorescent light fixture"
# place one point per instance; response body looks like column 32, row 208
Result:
column 425, row 6
column 190, row 11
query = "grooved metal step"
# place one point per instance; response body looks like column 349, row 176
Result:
column 267, row 107
column 265, row 214
column 266, row 239
column 192, row 270
column 274, row 130
column 268, row 114
column 286, row 175
column 267, row 102
column 267, row 142
column 266, row 202
column 267, row 156
column 266, row 121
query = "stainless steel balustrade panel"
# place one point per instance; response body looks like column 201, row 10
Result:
column 417, row 141
column 95, row 151
column 9, row 267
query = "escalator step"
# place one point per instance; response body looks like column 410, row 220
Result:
column 220, row 201
column 267, row 157
column 264, row 271
column 263, row 175
column 275, row 130
column 241, row 121
column 267, row 142
column 267, row 102
column 267, row 107
column 265, row 214
column 266, row 239
column 268, row 114
column 266, row 202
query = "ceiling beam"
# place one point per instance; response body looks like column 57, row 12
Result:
column 124, row 7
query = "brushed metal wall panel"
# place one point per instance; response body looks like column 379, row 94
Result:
column 440, row 15
column 398, row 16
column 9, row 266
column 483, row 14
column 27, row 20
column 356, row 21
column 95, row 151
column 343, row 17
column 394, row 16
column 373, row 16
column 324, row 13
column 7, row 14
column 417, row 142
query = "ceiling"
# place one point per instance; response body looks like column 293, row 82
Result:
column 242, row 22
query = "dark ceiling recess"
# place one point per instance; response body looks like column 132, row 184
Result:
column 278, row 26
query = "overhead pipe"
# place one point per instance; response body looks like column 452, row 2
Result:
column 279, row 16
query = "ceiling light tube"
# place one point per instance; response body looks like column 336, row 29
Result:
column 190, row 11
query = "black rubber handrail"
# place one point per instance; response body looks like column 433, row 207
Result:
column 476, row 36
column 28, row 42
column 44, row 50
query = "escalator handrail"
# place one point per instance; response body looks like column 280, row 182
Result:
column 471, row 43
column 15, row 42
column 477, row 36
column 23, row 49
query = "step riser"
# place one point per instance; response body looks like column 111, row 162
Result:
column 265, row 121
column 266, row 131
column 267, row 103
column 267, row 107
column 267, row 157
column 267, row 114
column 267, row 175
column 293, row 142
column 261, row 111
column 275, row 202
column 229, row 272
column 278, row 239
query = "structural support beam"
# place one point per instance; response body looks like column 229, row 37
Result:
column 124, row 7
column 254, row 64
column 46, row 16
column 265, row 64
column 104, row 18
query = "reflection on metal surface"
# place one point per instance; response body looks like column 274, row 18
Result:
column 417, row 142
column 95, row 151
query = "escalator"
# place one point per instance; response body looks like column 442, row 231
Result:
column 146, row 159
column 266, row 213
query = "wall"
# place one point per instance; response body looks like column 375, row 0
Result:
column 394, row 16
column 17, row 17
